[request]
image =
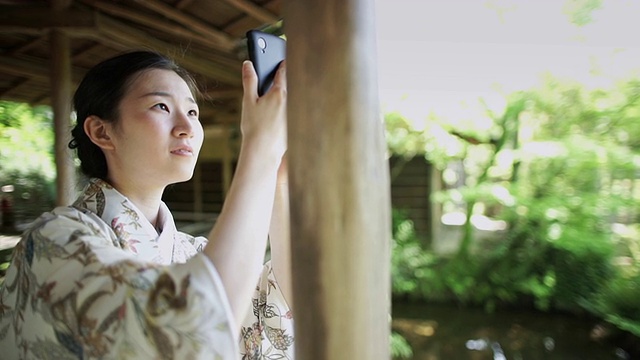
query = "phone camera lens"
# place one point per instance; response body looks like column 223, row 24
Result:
column 262, row 44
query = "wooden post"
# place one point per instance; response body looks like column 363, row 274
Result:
column 61, row 105
column 339, row 182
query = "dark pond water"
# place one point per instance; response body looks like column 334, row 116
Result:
column 438, row 332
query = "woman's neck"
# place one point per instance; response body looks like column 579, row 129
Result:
column 146, row 198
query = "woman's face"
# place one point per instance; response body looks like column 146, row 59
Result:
column 158, row 135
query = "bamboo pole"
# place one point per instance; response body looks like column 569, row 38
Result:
column 61, row 105
column 339, row 182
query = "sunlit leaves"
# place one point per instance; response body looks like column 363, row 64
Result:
column 26, row 139
column 433, row 142
column 580, row 11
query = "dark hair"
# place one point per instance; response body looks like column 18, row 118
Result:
column 100, row 93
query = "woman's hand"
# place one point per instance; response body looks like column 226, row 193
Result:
column 264, row 124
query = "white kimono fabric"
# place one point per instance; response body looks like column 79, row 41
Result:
column 96, row 281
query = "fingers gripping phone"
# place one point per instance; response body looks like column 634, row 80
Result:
column 266, row 52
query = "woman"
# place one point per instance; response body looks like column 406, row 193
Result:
column 110, row 276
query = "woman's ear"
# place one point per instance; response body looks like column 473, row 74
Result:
column 98, row 131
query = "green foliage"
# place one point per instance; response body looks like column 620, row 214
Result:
column 410, row 264
column 400, row 348
column 618, row 303
column 562, row 108
column 26, row 139
column 521, row 269
column 560, row 167
column 579, row 11
column 575, row 186
column 26, row 158
column 561, row 213
column 434, row 142
column 402, row 138
column 33, row 194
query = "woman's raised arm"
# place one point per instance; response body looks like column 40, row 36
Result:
column 238, row 238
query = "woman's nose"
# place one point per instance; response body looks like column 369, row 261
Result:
column 183, row 126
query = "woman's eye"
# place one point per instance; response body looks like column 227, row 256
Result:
column 162, row 107
column 193, row 113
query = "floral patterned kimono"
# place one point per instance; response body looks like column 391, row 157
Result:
column 97, row 280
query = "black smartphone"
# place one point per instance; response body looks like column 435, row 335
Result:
column 266, row 52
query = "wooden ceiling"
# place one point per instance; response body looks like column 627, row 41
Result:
column 204, row 36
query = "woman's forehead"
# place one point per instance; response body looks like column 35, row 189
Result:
column 158, row 80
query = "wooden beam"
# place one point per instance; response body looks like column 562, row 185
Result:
column 33, row 68
column 255, row 11
column 13, row 86
column 209, row 64
column 24, row 30
column 183, row 4
column 154, row 23
column 79, row 54
column 105, row 40
column 39, row 19
column 226, row 42
column 28, row 45
column 60, row 5
column 43, row 98
column 339, row 182
column 239, row 26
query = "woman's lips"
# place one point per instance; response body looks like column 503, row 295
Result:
column 183, row 150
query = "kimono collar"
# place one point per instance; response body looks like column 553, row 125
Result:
column 135, row 233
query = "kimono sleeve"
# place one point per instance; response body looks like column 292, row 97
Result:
column 267, row 331
column 101, row 302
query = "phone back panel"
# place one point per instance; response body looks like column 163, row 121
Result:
column 266, row 52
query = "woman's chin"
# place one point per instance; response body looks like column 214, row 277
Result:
column 182, row 176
